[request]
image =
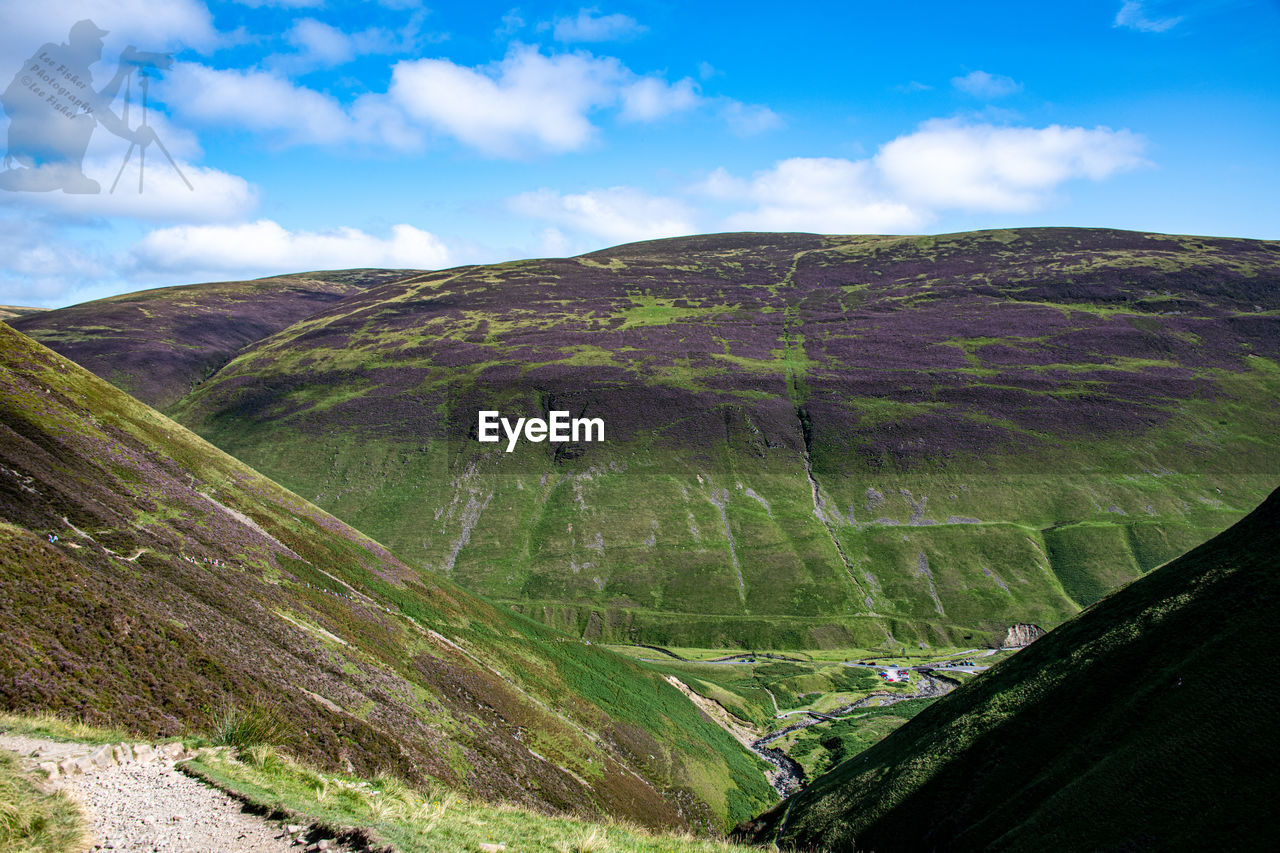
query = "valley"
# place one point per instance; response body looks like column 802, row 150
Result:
column 792, row 582
column 811, row 709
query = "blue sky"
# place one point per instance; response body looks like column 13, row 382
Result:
column 329, row 134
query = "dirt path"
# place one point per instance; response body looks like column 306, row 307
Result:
column 149, row 807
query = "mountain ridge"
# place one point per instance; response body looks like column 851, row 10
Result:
column 813, row 440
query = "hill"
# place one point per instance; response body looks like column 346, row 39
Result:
column 8, row 312
column 148, row 580
column 1139, row 725
column 158, row 344
column 811, row 441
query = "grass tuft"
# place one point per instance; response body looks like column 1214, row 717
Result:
column 32, row 821
column 248, row 728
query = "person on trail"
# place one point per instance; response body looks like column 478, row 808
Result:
column 53, row 110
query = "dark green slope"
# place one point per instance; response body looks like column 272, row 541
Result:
column 811, row 440
column 158, row 344
column 148, row 580
column 1149, row 722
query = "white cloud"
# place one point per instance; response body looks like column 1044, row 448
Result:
column 39, row 272
column 947, row 164
column 1134, row 15
column 320, row 44
column 216, row 196
column 749, row 119
column 527, row 102
column 266, row 102
column 980, row 84
column 943, row 165
column 149, row 25
column 617, row 214
column 651, row 98
column 512, row 23
column 591, row 26
column 823, row 194
column 256, row 100
column 264, row 247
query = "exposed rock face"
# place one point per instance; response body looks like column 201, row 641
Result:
column 1021, row 635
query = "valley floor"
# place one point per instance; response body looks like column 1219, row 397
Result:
column 804, row 711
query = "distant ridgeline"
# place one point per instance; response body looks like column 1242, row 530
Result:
column 810, row 440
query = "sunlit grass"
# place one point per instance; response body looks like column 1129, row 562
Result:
column 425, row 818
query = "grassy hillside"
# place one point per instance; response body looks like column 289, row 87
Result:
column 811, row 441
column 158, row 344
column 148, row 580
column 1148, row 722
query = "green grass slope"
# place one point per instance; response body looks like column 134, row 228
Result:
column 158, row 344
column 148, row 580
column 1146, row 723
column 812, row 441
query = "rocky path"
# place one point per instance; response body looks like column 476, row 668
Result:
column 135, row 800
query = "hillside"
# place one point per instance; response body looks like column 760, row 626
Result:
column 8, row 312
column 811, row 441
column 158, row 344
column 1139, row 725
column 147, row 580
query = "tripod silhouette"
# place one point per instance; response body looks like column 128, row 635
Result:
column 142, row 149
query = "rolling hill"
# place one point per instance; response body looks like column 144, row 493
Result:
column 149, row 581
column 1139, row 725
column 158, row 344
column 810, row 440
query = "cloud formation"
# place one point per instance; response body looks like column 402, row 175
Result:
column 616, row 214
column 265, row 247
column 149, row 25
column 269, row 103
column 526, row 103
column 591, row 26
column 981, row 84
column 943, row 165
column 1135, row 16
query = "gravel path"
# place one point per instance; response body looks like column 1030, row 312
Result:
column 152, row 807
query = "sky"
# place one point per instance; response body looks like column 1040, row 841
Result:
column 329, row 135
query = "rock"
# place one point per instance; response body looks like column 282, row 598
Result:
column 123, row 754
column 49, row 769
column 1022, row 634
column 172, row 750
column 103, row 756
column 143, row 752
column 85, row 764
column 293, row 828
column 68, row 767
column 492, row 848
